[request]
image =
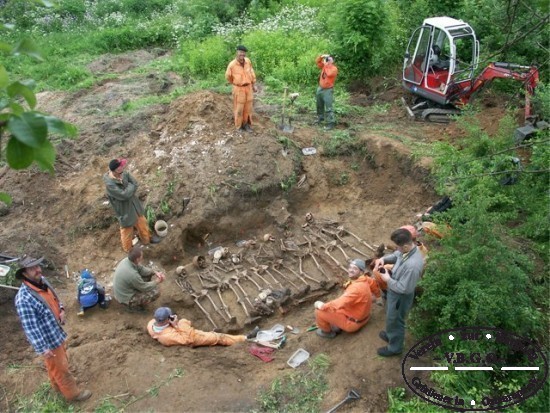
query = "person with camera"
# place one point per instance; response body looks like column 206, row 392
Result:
column 325, row 91
column 168, row 330
column 408, row 266
column 133, row 284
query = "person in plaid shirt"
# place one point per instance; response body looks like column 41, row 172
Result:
column 42, row 316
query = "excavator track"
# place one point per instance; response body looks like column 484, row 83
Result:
column 437, row 115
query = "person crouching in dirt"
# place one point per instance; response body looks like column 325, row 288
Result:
column 169, row 331
column 42, row 316
column 325, row 91
column 90, row 293
column 351, row 310
column 241, row 75
column 132, row 284
column 121, row 189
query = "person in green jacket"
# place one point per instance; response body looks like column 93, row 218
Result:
column 121, row 189
column 133, row 283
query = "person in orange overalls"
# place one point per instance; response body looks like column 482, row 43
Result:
column 351, row 310
column 169, row 331
column 241, row 75
column 325, row 91
column 42, row 317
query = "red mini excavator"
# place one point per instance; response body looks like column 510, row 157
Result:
column 439, row 66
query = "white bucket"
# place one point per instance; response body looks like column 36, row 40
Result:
column 161, row 228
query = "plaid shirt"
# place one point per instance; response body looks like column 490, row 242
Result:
column 39, row 323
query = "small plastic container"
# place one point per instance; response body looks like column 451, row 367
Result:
column 298, row 358
column 4, row 270
column 309, row 151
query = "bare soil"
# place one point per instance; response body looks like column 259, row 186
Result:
column 190, row 149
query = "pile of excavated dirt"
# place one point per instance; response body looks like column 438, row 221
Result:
column 236, row 182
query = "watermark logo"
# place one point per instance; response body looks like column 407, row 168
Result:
column 517, row 365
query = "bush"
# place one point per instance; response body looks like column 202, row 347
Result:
column 207, row 58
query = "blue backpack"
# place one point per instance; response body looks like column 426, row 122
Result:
column 87, row 290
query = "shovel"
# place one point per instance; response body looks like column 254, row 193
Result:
column 282, row 126
column 352, row 395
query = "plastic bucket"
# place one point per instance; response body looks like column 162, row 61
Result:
column 161, row 228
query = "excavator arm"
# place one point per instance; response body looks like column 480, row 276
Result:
column 528, row 75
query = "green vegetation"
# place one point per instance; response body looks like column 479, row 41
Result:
column 300, row 391
column 491, row 269
column 43, row 400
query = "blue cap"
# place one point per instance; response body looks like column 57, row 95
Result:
column 86, row 274
column 162, row 314
column 359, row 264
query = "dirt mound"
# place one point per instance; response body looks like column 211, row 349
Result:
column 242, row 186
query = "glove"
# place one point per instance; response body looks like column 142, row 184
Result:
column 318, row 304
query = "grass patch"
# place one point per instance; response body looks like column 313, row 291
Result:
column 300, row 391
column 397, row 403
column 342, row 143
column 43, row 400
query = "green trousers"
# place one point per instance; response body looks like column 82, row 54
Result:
column 397, row 308
column 325, row 99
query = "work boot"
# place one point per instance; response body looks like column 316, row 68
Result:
column 253, row 333
column 384, row 336
column 335, row 329
column 384, row 352
column 155, row 239
column 330, row 126
column 319, row 121
column 247, row 128
column 323, row 334
column 83, row 395
column 80, row 312
column 105, row 304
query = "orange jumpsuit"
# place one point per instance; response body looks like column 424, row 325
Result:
column 57, row 367
column 185, row 335
column 351, row 310
column 242, row 77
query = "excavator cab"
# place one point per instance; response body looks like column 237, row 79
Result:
column 440, row 60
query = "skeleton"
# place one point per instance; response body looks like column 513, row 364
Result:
column 217, row 308
column 342, row 229
column 225, row 308
column 329, row 247
column 243, row 305
column 186, row 286
column 235, row 278
column 322, row 283
column 344, row 243
column 245, row 275
column 262, row 268
column 284, row 276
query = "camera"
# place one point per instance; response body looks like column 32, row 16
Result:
column 172, row 317
column 328, row 58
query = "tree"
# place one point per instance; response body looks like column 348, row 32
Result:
column 27, row 129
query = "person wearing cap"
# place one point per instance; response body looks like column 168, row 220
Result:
column 169, row 331
column 351, row 311
column 240, row 74
column 89, row 293
column 133, row 283
column 325, row 91
column 42, row 316
column 407, row 269
column 121, row 189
